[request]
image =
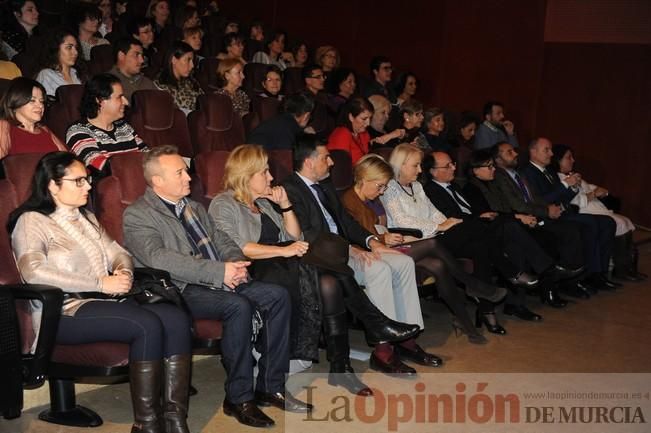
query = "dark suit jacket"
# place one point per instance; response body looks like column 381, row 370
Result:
column 551, row 192
column 443, row 201
column 513, row 196
column 311, row 218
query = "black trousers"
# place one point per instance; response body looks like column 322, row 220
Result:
column 235, row 310
column 598, row 235
column 562, row 239
column 521, row 248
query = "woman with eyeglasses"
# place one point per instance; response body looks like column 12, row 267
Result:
column 272, row 83
column 102, row 131
column 372, row 175
column 352, row 135
column 21, row 113
column 87, row 21
column 56, row 241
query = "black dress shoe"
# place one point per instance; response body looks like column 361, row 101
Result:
column 521, row 312
column 419, row 356
column 577, row 291
column 348, row 380
column 247, row 413
column 592, row 290
column 559, row 272
column 490, row 320
column 630, row 277
column 524, row 279
column 608, row 282
column 596, row 283
column 282, row 400
column 390, row 331
column 394, row 366
column 551, row 298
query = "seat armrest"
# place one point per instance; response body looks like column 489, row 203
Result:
column 35, row 365
column 406, row 231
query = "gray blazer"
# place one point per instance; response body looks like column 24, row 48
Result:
column 239, row 223
column 513, row 196
column 157, row 239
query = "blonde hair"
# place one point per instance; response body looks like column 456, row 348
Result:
column 399, row 156
column 225, row 66
column 243, row 162
column 372, row 167
column 322, row 51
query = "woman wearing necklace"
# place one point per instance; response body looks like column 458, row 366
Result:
column 102, row 132
column 231, row 76
column 407, row 205
column 352, row 135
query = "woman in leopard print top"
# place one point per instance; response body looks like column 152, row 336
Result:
column 176, row 77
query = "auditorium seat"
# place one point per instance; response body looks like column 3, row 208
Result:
column 281, row 164
column 214, row 125
column 206, row 74
column 65, row 111
column 342, row 172
column 18, row 170
column 293, row 80
column 209, row 170
column 158, row 122
column 384, row 152
column 253, row 76
column 250, row 121
column 265, row 108
column 101, row 59
column 252, row 47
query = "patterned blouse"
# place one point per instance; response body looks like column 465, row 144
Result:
column 241, row 101
column 185, row 93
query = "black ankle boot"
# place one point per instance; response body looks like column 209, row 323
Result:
column 378, row 327
column 338, row 353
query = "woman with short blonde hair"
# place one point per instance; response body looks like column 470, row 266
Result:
column 327, row 57
column 231, row 77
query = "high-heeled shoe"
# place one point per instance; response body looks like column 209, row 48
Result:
column 493, row 328
column 474, row 337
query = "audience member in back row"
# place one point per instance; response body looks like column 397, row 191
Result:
column 159, row 12
column 405, row 87
column 411, row 120
column 129, row 61
column 328, row 58
column 273, row 50
column 176, row 77
column 495, row 128
column 283, row 130
column 462, row 143
column 232, row 47
column 588, row 200
column 86, row 21
column 272, row 83
column 379, row 137
column 21, row 130
column 381, row 69
column 102, row 132
column 141, row 30
column 300, row 54
column 231, row 77
column 351, row 134
column 321, row 122
column 59, row 62
column 341, row 85
column 19, row 27
column 434, row 125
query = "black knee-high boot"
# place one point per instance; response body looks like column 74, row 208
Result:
column 145, row 382
column 335, row 327
column 176, row 392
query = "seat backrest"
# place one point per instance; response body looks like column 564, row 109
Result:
column 342, row 172
column 158, row 122
column 215, row 126
column 8, row 272
column 117, row 191
column 65, row 111
column 206, row 74
column 281, row 164
column 4, row 85
column 253, row 76
column 265, row 108
column 292, row 80
column 252, row 47
column 19, row 169
column 101, row 59
column 384, row 152
column 209, row 167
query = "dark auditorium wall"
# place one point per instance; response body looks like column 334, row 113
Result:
column 588, row 86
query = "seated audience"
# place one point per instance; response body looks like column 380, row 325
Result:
column 186, row 16
column 372, row 174
column 59, row 62
column 328, row 58
column 495, row 127
column 300, row 54
column 128, row 66
column 462, row 143
column 21, row 114
column 102, row 131
column 341, row 85
column 176, row 77
column 282, row 131
column 57, row 242
column 19, row 27
column 141, row 30
column 597, row 231
column 273, row 51
column 231, row 77
column 159, row 12
column 588, row 200
column 111, row 12
column 193, row 36
column 405, row 87
column 232, row 48
column 381, row 70
column 86, row 21
column 388, row 275
column 351, row 135
column 434, row 125
column 272, row 83
column 379, row 136
column 164, row 229
column 261, row 221
column 322, row 121
column 407, row 205
column 411, row 120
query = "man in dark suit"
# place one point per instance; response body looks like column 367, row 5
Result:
column 504, row 234
column 389, row 276
column 598, row 231
column 282, row 130
column 165, row 230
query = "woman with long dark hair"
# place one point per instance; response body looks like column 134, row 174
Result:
column 59, row 66
column 57, row 242
column 19, row 28
column 176, row 77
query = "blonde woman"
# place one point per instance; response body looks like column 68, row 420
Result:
column 231, row 77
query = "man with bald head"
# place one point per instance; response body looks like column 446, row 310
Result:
column 598, row 231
